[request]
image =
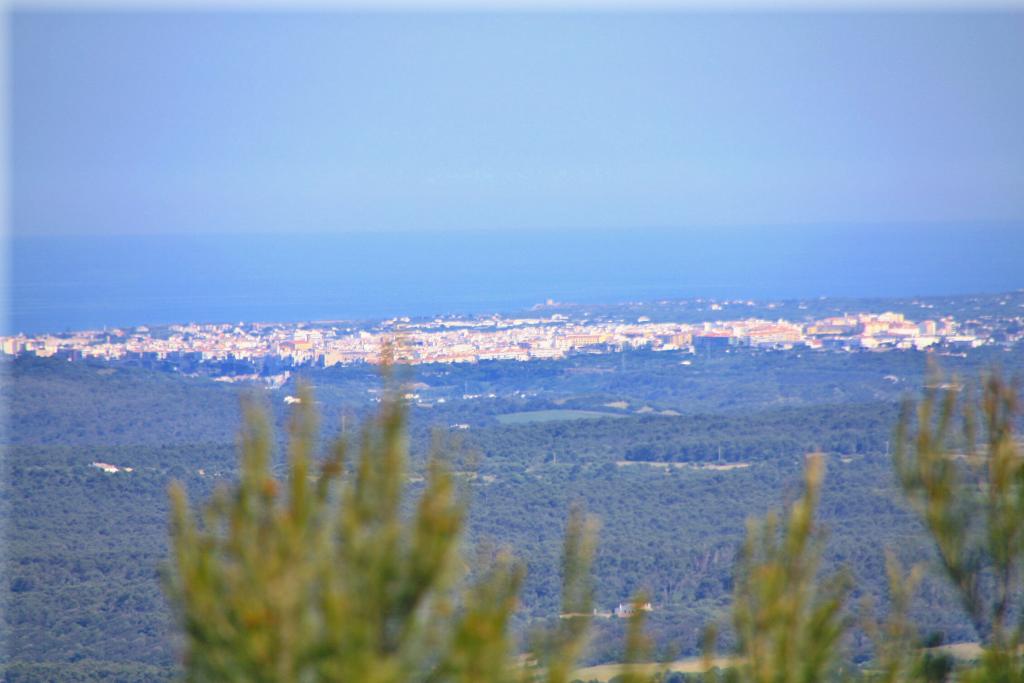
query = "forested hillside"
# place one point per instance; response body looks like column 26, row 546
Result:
column 691, row 452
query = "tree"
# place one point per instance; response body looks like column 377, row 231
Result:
column 328, row 577
column 971, row 500
column 788, row 624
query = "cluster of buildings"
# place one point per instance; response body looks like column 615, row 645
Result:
column 497, row 338
column 625, row 610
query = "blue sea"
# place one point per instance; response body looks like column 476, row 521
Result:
column 57, row 284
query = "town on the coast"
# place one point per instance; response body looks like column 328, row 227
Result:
column 539, row 334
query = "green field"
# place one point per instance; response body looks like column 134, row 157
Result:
column 552, row 416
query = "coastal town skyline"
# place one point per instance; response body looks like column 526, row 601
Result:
column 544, row 333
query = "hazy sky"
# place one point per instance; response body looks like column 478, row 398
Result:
column 226, row 122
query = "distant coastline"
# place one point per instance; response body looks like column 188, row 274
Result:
column 262, row 351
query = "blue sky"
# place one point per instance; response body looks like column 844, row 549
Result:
column 196, row 123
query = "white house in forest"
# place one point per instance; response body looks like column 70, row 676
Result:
column 627, row 609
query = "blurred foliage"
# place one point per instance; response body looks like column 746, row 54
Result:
column 960, row 466
column 895, row 638
column 330, row 576
column 788, row 623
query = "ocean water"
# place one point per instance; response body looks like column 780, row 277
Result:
column 69, row 283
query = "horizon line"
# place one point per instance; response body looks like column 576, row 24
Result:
column 12, row 235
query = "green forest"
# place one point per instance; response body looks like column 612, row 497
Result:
column 692, row 452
